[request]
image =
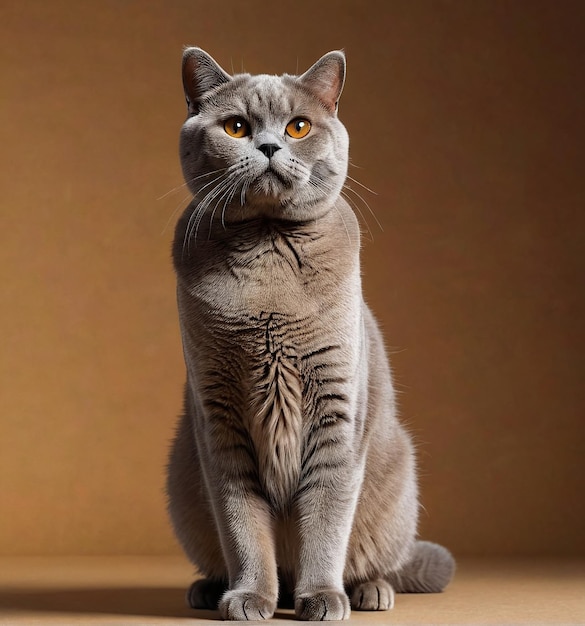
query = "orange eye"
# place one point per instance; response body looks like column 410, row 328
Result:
column 298, row 128
column 236, row 127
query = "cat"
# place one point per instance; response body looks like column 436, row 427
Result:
column 289, row 466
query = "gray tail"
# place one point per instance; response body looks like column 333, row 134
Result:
column 430, row 569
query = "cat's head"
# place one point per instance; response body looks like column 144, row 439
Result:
column 255, row 146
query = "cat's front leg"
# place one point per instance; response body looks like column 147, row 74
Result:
column 245, row 526
column 326, row 504
column 249, row 550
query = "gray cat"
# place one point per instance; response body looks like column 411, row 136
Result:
column 289, row 466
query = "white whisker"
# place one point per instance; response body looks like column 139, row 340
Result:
column 367, row 205
column 228, row 189
column 344, row 224
column 354, row 204
column 361, row 185
column 200, row 209
column 192, row 180
column 205, row 204
column 172, row 215
column 173, row 190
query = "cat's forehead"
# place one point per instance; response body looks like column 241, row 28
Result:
column 264, row 96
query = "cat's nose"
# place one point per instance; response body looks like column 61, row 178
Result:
column 268, row 149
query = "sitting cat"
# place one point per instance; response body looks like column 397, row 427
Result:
column 289, row 465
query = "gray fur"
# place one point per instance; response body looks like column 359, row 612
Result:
column 289, row 464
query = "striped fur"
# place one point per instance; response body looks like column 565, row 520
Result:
column 289, row 464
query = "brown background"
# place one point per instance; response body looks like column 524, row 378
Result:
column 467, row 119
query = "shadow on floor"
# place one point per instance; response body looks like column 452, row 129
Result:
column 142, row 601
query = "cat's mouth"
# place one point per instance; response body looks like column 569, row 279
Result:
column 273, row 174
column 272, row 183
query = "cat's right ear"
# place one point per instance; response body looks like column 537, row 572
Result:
column 201, row 73
column 325, row 79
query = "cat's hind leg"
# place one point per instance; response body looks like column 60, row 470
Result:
column 189, row 507
column 205, row 593
column 374, row 595
column 429, row 570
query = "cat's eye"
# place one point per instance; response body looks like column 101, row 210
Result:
column 298, row 128
column 236, row 127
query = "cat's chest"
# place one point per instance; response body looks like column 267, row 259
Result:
column 273, row 274
column 273, row 324
column 268, row 296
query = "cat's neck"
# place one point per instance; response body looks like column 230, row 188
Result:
column 336, row 231
column 271, row 265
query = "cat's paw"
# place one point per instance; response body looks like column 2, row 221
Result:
column 205, row 594
column 374, row 595
column 324, row 605
column 242, row 605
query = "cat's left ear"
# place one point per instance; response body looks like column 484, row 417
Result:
column 201, row 73
column 325, row 79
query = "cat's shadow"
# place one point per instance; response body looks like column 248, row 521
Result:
column 138, row 601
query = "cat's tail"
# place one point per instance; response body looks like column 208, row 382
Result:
column 430, row 569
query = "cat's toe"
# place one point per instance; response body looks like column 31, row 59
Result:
column 374, row 595
column 324, row 605
column 244, row 605
column 205, row 593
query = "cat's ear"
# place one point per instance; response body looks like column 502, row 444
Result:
column 325, row 79
column 201, row 73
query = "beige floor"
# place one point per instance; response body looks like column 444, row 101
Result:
column 150, row 590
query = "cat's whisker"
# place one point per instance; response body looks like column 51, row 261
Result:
column 229, row 199
column 344, row 224
column 206, row 203
column 195, row 213
column 191, row 180
column 322, row 185
column 219, row 192
column 245, row 188
column 198, row 211
column 326, row 187
column 296, row 169
column 218, row 171
column 223, row 194
column 229, row 196
column 189, row 229
column 354, row 204
column 357, row 182
column 193, row 223
column 224, row 189
column 181, row 204
column 226, row 195
column 366, row 204
column 171, row 191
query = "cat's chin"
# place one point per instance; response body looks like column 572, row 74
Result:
column 272, row 196
column 271, row 185
column 282, row 210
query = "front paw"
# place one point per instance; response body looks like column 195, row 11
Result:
column 324, row 605
column 246, row 605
